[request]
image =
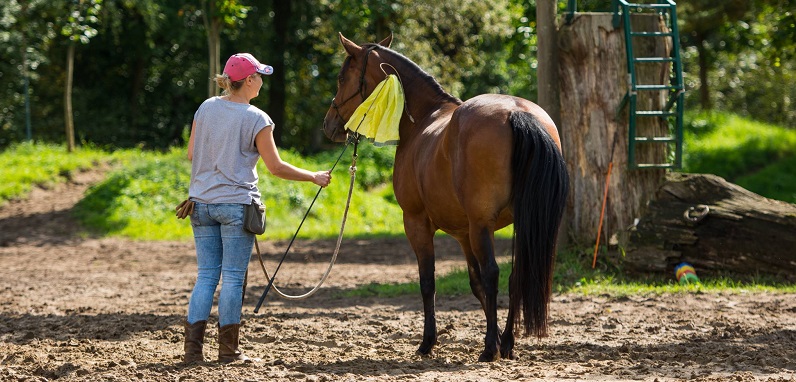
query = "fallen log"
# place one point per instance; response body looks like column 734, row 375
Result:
column 717, row 226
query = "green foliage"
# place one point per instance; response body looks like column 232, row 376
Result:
column 80, row 21
column 27, row 165
column 742, row 151
column 144, row 72
column 745, row 51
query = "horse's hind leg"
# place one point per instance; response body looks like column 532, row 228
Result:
column 483, row 249
column 507, row 338
column 474, row 271
column 420, row 232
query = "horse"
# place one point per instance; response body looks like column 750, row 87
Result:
column 468, row 169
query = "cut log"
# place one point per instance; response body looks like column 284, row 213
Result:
column 717, row 226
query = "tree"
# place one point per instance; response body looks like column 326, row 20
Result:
column 23, row 43
column 216, row 15
column 547, row 55
column 78, row 27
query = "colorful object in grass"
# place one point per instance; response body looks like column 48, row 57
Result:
column 685, row 274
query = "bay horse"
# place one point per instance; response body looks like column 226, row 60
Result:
column 468, row 169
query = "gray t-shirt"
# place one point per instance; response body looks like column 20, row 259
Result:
column 223, row 169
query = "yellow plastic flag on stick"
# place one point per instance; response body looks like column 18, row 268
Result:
column 380, row 114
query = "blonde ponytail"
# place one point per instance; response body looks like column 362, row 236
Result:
column 228, row 87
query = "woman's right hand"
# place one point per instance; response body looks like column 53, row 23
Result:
column 322, row 178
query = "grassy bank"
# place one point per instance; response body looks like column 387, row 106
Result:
column 757, row 156
column 28, row 165
column 138, row 200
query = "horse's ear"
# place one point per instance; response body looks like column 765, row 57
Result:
column 387, row 41
column 350, row 47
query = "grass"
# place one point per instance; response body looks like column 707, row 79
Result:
column 573, row 274
column 138, row 200
column 27, row 165
column 757, row 156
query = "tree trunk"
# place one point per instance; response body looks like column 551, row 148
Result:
column 68, row 116
column 547, row 75
column 739, row 232
column 593, row 82
column 704, row 88
column 213, row 28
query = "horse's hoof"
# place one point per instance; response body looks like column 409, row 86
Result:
column 488, row 357
column 425, row 347
column 508, row 354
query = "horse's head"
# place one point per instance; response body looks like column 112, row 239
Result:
column 356, row 80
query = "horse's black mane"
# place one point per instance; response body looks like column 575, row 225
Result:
column 417, row 70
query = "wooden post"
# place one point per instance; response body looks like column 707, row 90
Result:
column 593, row 81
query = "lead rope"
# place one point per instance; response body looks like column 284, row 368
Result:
column 355, row 136
column 352, row 170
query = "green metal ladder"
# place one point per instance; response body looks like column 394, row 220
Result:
column 673, row 110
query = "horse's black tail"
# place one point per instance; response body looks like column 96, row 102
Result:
column 540, row 187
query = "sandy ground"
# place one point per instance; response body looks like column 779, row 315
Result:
column 77, row 308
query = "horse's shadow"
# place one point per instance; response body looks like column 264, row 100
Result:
column 700, row 355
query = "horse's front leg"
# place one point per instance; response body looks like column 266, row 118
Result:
column 420, row 232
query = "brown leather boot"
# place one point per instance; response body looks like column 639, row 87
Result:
column 194, row 340
column 228, row 340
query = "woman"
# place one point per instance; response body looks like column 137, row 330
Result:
column 228, row 137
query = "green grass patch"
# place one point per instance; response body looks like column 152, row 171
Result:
column 731, row 146
column 573, row 274
column 27, row 165
column 775, row 181
column 137, row 200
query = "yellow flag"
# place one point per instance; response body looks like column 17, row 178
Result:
column 378, row 117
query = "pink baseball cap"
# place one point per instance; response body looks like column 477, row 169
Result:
column 242, row 65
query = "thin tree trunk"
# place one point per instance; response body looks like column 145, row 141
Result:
column 213, row 28
column 26, row 77
column 68, row 117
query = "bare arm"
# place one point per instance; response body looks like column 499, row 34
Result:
column 268, row 151
column 190, row 142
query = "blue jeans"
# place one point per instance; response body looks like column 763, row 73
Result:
column 223, row 250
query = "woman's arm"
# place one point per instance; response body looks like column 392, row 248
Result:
column 268, row 151
column 190, row 141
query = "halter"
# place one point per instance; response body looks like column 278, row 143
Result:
column 362, row 84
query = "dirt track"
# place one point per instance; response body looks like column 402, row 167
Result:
column 76, row 308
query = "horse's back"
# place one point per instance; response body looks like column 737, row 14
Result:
column 479, row 143
column 485, row 112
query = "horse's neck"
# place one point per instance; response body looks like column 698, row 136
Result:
column 426, row 105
